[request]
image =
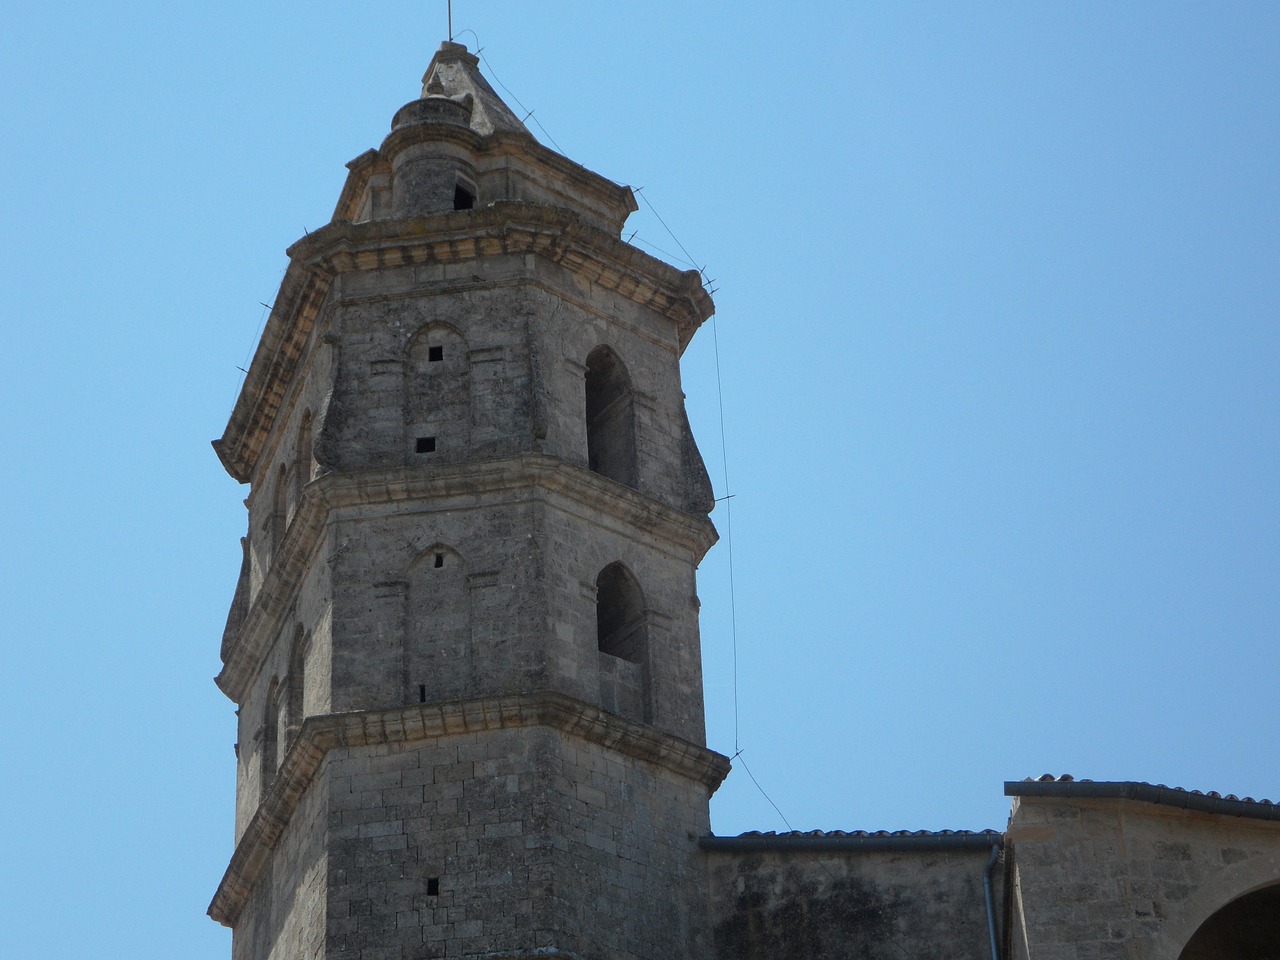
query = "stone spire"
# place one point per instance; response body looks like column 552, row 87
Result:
column 454, row 72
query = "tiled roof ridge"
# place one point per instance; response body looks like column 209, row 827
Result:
column 846, row 842
column 1214, row 794
column 870, row 833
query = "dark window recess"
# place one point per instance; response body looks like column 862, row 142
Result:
column 463, row 199
column 435, row 354
column 433, row 886
column 611, row 432
column 439, row 560
column 422, row 693
column 620, row 622
column 426, row 445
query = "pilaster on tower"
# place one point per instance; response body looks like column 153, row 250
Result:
column 464, row 643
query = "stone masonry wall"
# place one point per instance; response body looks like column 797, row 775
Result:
column 806, row 905
column 387, row 649
column 301, row 685
column 1112, row 879
column 284, row 918
column 523, row 569
column 527, row 327
column 512, row 840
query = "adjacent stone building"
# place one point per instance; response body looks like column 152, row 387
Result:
column 464, row 641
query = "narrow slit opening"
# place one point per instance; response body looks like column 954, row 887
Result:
column 422, row 693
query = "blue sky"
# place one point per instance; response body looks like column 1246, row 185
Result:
column 998, row 352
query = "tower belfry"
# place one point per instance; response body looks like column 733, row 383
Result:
column 464, row 641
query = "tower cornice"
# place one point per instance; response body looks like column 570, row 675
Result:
column 511, row 227
column 420, row 722
column 521, row 477
column 504, row 227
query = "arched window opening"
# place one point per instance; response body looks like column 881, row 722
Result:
column 620, row 620
column 279, row 507
column 437, row 394
column 610, row 412
column 297, row 684
column 303, row 465
column 270, row 735
column 623, row 641
column 1245, row 929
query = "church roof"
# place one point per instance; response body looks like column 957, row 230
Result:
column 454, row 72
column 1067, row 786
column 866, row 840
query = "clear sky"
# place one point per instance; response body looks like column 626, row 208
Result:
column 997, row 323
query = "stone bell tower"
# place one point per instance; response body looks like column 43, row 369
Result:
column 464, row 642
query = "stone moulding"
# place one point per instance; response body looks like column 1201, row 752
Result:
column 420, row 722
column 503, row 227
column 302, row 294
column 511, row 227
column 525, row 472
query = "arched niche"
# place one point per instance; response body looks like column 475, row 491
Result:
column 269, row 749
column 622, row 639
column 437, row 402
column 437, row 643
column 610, row 417
column 303, row 464
column 296, row 683
column 1247, row 928
column 279, row 507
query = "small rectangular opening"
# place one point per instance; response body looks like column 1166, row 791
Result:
column 425, row 445
column 463, row 199
column 435, row 354
column 433, row 886
column 439, row 559
column 422, row 693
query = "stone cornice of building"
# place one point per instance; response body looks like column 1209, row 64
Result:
column 369, row 489
column 1069, row 788
column 419, row 722
column 504, row 227
column 511, row 227
column 302, row 293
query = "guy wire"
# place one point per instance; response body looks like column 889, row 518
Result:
column 727, row 498
column 728, row 534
